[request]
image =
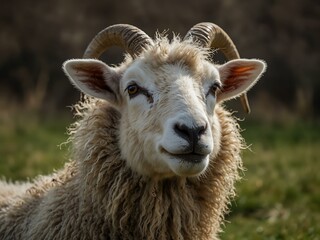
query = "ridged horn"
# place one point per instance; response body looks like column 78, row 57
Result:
column 128, row 37
column 212, row 36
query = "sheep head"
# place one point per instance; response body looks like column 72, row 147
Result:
column 166, row 94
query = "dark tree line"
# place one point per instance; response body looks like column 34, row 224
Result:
column 35, row 39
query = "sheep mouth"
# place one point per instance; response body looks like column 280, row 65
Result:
column 188, row 165
column 190, row 157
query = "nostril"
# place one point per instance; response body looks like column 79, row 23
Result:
column 183, row 131
column 202, row 129
column 191, row 134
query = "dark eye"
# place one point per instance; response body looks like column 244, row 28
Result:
column 213, row 89
column 133, row 90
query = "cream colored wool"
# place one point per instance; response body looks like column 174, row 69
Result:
column 97, row 196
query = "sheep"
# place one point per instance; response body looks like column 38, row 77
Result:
column 154, row 153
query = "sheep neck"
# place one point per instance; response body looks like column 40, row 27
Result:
column 162, row 209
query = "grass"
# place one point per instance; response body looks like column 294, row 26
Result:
column 278, row 198
column 31, row 146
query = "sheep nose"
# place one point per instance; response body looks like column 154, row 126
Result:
column 190, row 134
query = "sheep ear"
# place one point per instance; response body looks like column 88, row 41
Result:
column 238, row 76
column 94, row 78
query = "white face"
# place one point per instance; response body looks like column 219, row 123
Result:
column 168, row 126
column 170, row 112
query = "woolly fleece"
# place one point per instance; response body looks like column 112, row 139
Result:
column 97, row 196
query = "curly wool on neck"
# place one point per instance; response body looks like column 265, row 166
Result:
column 135, row 206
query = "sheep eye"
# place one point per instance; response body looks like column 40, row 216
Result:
column 213, row 89
column 133, row 90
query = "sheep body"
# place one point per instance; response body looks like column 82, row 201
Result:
column 100, row 197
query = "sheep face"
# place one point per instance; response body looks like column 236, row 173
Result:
column 167, row 98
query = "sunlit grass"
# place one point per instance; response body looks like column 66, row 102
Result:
column 29, row 147
column 278, row 197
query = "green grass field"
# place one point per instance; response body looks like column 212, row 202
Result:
column 278, row 198
column 30, row 146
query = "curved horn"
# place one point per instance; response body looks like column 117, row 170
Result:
column 131, row 38
column 212, row 36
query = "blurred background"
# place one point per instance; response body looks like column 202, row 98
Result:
column 35, row 39
column 280, row 195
